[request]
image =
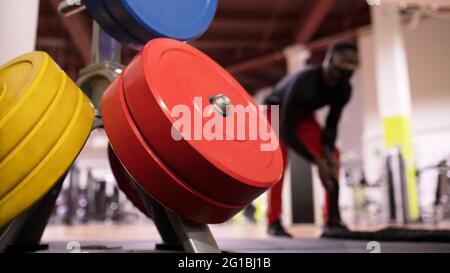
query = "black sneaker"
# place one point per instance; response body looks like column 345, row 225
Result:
column 335, row 230
column 277, row 229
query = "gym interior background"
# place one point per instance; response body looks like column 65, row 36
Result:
column 399, row 110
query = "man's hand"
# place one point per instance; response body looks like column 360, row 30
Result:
column 326, row 174
column 331, row 162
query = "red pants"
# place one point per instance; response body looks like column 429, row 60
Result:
column 309, row 133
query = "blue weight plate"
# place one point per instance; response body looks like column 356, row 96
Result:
column 101, row 15
column 177, row 19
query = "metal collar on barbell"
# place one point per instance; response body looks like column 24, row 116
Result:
column 95, row 78
column 222, row 104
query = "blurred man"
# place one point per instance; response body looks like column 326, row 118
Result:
column 299, row 96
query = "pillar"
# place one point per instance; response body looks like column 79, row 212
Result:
column 394, row 93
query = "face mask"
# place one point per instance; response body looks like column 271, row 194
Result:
column 341, row 75
column 344, row 74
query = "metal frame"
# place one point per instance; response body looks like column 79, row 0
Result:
column 104, row 69
column 24, row 233
column 176, row 232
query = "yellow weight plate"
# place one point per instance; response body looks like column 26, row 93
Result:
column 39, row 141
column 47, row 151
column 2, row 90
column 29, row 85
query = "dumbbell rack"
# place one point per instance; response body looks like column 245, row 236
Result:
column 178, row 234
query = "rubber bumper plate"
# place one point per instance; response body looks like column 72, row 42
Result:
column 178, row 19
column 98, row 10
column 45, row 120
column 207, row 181
column 124, row 180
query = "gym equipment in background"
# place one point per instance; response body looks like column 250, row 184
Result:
column 94, row 201
column 440, row 210
column 45, row 120
column 367, row 208
column 135, row 22
column 396, row 192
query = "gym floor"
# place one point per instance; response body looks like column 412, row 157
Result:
column 230, row 237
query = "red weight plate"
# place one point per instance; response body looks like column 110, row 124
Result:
column 169, row 73
column 123, row 179
column 148, row 169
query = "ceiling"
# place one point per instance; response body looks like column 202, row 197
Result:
column 245, row 37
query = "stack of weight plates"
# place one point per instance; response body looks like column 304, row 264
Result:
column 207, row 181
column 134, row 22
column 45, row 120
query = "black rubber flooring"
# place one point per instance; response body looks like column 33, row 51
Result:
column 391, row 235
column 269, row 246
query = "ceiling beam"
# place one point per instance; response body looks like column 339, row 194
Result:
column 425, row 3
column 266, row 75
column 247, row 24
column 52, row 42
column 311, row 20
column 270, row 26
column 277, row 56
column 257, row 62
column 251, row 82
column 232, row 44
column 79, row 28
